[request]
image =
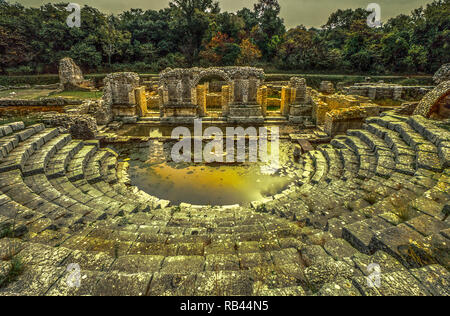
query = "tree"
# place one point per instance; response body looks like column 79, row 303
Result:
column 14, row 49
column 220, row 51
column 113, row 40
column 191, row 21
column 249, row 53
column 298, row 50
column 85, row 54
column 270, row 27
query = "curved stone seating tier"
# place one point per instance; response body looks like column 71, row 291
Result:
column 377, row 195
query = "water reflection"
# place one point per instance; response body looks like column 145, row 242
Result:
column 200, row 184
column 152, row 170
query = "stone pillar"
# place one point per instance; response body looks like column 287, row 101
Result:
column 262, row 99
column 252, row 90
column 201, row 99
column 118, row 93
column 372, row 94
column 299, row 84
column 293, row 95
column 141, row 101
column 225, row 99
column 398, row 91
column 326, row 87
column 285, row 98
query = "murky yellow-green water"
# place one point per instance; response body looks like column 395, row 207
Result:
column 152, row 170
column 203, row 184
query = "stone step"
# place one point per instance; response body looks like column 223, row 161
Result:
column 38, row 161
column 57, row 165
column 320, row 164
column 25, row 146
column 8, row 129
column 335, row 166
column 77, row 165
column 359, row 234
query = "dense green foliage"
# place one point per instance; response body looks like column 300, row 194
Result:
column 196, row 32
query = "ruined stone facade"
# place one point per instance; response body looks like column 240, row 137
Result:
column 179, row 97
column 300, row 108
column 119, row 94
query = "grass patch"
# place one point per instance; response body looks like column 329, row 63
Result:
column 15, row 270
column 79, row 94
column 26, row 94
column 7, row 231
column 403, row 213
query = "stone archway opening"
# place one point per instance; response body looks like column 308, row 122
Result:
column 436, row 103
column 213, row 94
column 274, row 101
column 441, row 109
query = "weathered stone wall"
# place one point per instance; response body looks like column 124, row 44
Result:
column 79, row 126
column 435, row 102
column 40, row 102
column 70, row 75
column 153, row 101
column 326, row 87
column 119, row 94
column 101, row 111
column 340, row 120
column 380, row 91
column 327, row 103
column 119, row 88
column 341, row 112
column 442, row 75
column 406, row 108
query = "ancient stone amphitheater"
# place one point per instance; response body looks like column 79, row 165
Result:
column 379, row 195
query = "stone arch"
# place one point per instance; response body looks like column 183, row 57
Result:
column 431, row 102
column 211, row 72
column 208, row 73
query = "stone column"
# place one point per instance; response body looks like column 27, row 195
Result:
column 225, row 99
column 285, row 98
column 201, row 99
column 141, row 101
column 398, row 91
column 372, row 94
column 252, row 90
column 262, row 99
column 299, row 84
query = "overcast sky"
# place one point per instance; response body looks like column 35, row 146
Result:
column 295, row 12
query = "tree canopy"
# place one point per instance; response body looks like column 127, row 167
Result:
column 196, row 32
